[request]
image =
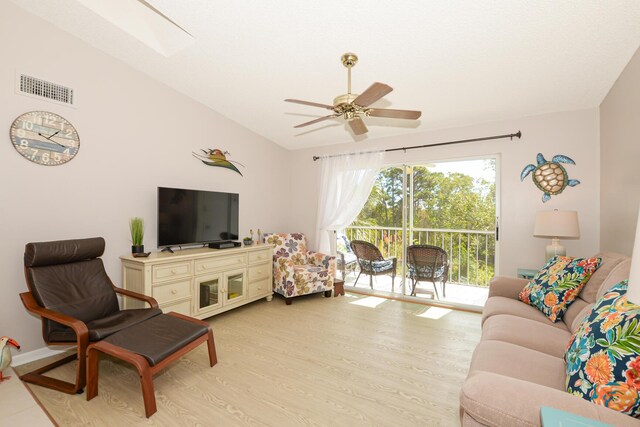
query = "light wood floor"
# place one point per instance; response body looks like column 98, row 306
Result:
column 319, row 362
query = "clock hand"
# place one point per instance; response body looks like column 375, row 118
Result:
column 49, row 138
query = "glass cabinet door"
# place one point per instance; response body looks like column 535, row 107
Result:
column 208, row 293
column 236, row 288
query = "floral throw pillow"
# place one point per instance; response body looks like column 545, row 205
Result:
column 558, row 284
column 603, row 356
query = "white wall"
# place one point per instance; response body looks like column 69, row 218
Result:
column 574, row 134
column 136, row 134
column 620, row 152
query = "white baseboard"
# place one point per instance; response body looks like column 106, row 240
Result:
column 40, row 353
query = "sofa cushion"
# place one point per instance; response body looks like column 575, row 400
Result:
column 603, row 360
column 527, row 333
column 519, row 362
column 489, row 399
column 558, row 284
column 505, row 305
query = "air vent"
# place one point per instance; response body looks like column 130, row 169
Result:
column 42, row 88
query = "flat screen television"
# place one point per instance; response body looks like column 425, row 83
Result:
column 188, row 217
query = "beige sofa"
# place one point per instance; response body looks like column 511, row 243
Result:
column 518, row 365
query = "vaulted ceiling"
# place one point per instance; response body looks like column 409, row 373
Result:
column 459, row 62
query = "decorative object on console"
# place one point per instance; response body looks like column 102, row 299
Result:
column 556, row 224
column 247, row 241
column 550, row 176
column 558, row 284
column 217, row 157
column 5, row 354
column 136, row 227
column 44, row 138
column 352, row 107
column 298, row 271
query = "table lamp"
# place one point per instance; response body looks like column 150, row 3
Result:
column 556, row 224
column 633, row 291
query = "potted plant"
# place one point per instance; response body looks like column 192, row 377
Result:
column 248, row 241
column 136, row 226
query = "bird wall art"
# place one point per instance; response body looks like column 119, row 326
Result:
column 217, row 157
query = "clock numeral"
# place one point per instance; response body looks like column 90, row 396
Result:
column 27, row 125
column 57, row 157
column 45, row 157
column 68, row 133
column 66, row 151
column 49, row 121
column 24, row 143
column 35, row 153
column 21, row 133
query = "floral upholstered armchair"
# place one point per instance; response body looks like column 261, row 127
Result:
column 298, row 271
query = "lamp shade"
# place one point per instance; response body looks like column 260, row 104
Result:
column 633, row 291
column 557, row 224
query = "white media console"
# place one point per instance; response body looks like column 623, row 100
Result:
column 201, row 282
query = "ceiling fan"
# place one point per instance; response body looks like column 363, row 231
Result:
column 352, row 107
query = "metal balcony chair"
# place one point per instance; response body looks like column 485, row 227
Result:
column 372, row 262
column 427, row 262
column 345, row 258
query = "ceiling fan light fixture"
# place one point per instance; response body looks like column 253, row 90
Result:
column 352, row 106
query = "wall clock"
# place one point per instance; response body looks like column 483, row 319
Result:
column 44, row 138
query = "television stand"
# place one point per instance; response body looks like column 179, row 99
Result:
column 201, row 282
column 224, row 244
column 167, row 249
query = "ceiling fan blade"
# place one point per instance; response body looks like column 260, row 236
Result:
column 372, row 94
column 312, row 104
column 357, row 126
column 395, row 114
column 331, row 116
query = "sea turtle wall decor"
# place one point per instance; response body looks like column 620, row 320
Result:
column 550, row 176
column 217, row 157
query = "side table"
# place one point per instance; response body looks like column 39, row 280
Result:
column 527, row 273
column 338, row 287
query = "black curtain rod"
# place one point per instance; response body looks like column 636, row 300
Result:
column 461, row 141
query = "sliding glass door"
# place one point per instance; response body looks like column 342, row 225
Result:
column 450, row 205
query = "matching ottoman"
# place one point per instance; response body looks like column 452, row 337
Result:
column 150, row 346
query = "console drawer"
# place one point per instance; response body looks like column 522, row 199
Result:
column 182, row 307
column 257, row 272
column 171, row 271
column 172, row 291
column 260, row 256
column 261, row 287
column 220, row 263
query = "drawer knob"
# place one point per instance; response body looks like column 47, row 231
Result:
column 173, row 291
column 173, row 271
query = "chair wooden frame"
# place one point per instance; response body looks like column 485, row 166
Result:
column 145, row 371
column 82, row 342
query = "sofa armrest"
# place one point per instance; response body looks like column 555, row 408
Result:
column 503, row 286
column 517, row 402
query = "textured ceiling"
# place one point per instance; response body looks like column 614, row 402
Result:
column 460, row 62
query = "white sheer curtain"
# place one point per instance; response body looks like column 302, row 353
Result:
column 345, row 184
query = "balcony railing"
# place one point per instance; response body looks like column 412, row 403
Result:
column 471, row 252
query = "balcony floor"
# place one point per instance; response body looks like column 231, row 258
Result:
column 456, row 293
